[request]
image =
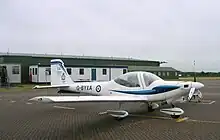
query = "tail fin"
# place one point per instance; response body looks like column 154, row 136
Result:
column 59, row 74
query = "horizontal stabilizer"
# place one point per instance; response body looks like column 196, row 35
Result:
column 50, row 86
column 65, row 99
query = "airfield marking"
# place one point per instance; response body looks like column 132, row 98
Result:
column 165, row 118
column 153, row 117
column 204, row 102
column 12, row 101
column 102, row 113
column 212, row 94
column 182, row 119
column 203, row 121
column 212, row 102
column 63, row 107
column 168, row 118
column 28, row 103
column 186, row 119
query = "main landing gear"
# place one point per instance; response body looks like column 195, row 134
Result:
column 152, row 107
column 174, row 112
column 119, row 114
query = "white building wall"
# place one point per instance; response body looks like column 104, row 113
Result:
column 111, row 73
column 13, row 72
column 43, row 77
column 115, row 72
column 100, row 76
column 84, row 77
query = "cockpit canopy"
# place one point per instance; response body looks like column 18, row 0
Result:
column 131, row 79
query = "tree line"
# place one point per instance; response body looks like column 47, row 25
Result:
column 201, row 74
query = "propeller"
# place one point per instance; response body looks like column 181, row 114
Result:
column 191, row 92
column 199, row 94
column 195, row 86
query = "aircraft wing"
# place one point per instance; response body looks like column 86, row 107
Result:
column 70, row 99
column 50, row 86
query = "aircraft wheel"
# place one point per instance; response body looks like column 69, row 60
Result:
column 175, row 116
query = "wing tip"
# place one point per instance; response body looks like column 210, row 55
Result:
column 41, row 99
column 35, row 87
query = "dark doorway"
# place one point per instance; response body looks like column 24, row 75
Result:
column 93, row 74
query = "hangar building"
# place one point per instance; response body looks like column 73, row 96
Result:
column 35, row 68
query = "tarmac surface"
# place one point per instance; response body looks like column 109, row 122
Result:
column 21, row 119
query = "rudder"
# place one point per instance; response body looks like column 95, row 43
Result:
column 59, row 74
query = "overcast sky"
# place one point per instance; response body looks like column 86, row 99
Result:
column 167, row 30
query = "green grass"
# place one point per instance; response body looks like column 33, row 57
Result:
column 21, row 87
column 199, row 78
column 191, row 78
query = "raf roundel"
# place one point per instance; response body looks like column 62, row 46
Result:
column 98, row 88
column 63, row 77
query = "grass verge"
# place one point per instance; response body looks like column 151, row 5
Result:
column 20, row 87
column 199, row 78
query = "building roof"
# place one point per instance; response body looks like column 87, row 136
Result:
column 160, row 69
column 73, row 56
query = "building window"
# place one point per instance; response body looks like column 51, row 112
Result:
column 124, row 71
column 35, row 71
column 159, row 74
column 81, row 71
column 69, row 71
column 48, row 71
column 15, row 69
column 104, row 71
column 168, row 74
column 164, row 74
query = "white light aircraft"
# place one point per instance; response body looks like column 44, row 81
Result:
column 136, row 86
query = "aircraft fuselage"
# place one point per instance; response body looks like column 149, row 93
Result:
column 152, row 93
